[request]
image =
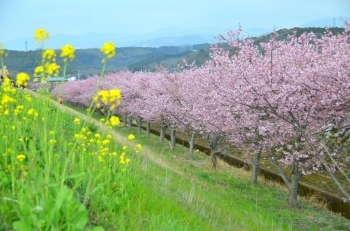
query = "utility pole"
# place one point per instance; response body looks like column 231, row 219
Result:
column 26, row 46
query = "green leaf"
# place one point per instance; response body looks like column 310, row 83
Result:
column 80, row 219
column 96, row 228
column 61, row 197
column 21, row 225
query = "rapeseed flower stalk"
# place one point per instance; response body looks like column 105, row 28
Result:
column 48, row 65
column 2, row 53
column 109, row 50
column 67, row 53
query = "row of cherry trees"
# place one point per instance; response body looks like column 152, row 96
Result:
column 287, row 99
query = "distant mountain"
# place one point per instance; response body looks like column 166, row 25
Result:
column 326, row 22
column 162, row 37
column 171, row 36
column 255, row 32
column 174, row 41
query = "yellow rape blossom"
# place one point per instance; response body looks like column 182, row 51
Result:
column 33, row 113
column 49, row 54
column 6, row 100
column 76, row 121
column 38, row 70
column 138, row 148
column 41, row 35
column 21, row 157
column 105, row 142
column 67, row 52
column 131, row 137
column 114, row 121
column 109, row 98
column 52, row 69
column 21, row 79
column 123, row 160
column 28, row 98
column 108, row 49
column 115, row 95
column 100, row 159
column 6, row 85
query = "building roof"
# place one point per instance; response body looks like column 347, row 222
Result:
column 56, row 79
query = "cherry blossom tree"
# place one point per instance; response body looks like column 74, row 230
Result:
column 294, row 88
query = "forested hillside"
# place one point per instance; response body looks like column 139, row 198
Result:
column 88, row 61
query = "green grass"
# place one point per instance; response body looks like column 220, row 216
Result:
column 225, row 198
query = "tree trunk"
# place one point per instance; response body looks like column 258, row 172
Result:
column 214, row 158
column 130, row 122
column 340, row 186
column 148, row 129
column 125, row 120
column 256, row 165
column 162, row 133
column 139, row 123
column 293, row 189
column 215, row 149
column 173, row 137
column 291, row 184
column 193, row 136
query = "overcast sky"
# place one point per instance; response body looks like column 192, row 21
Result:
column 19, row 18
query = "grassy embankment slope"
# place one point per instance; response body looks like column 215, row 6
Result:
column 176, row 192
